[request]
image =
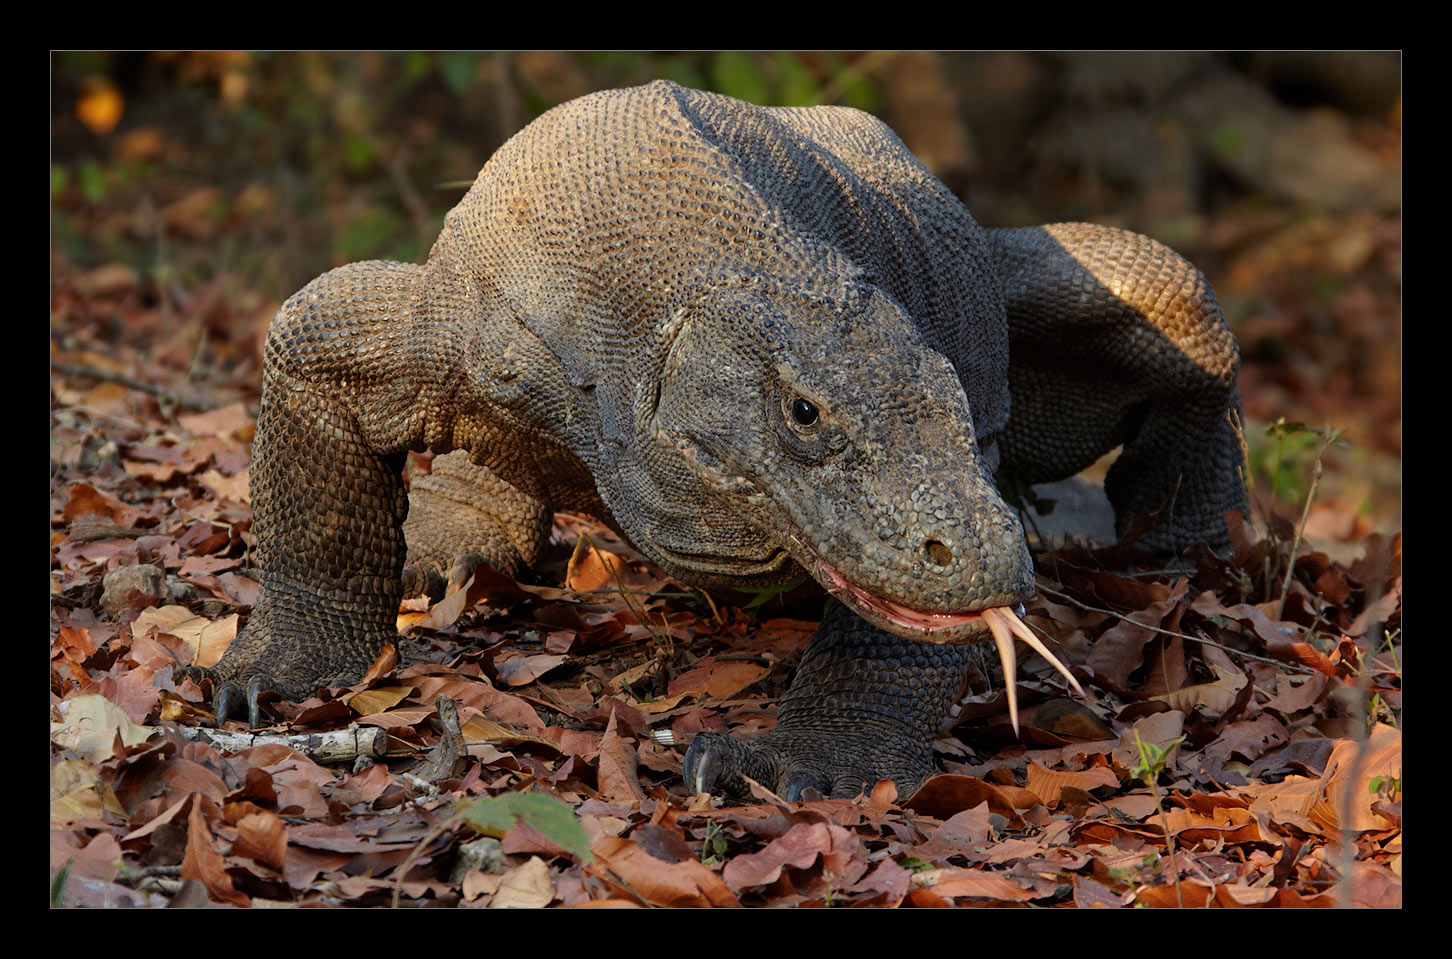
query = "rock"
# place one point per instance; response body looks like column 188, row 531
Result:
column 118, row 584
column 485, row 854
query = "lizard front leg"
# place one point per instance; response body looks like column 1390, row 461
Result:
column 864, row 706
column 341, row 401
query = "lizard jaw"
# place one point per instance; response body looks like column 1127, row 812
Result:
column 1003, row 623
column 933, row 627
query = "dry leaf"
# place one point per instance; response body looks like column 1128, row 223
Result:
column 90, row 726
column 525, row 887
column 1216, row 697
column 1336, row 795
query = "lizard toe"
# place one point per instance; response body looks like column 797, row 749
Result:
column 715, row 763
column 233, row 699
column 423, row 579
column 805, row 784
column 795, row 766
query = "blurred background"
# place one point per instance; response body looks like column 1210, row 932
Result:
column 192, row 192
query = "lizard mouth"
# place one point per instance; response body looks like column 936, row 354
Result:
column 1002, row 622
column 931, row 626
column 737, row 568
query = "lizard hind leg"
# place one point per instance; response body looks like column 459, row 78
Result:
column 460, row 514
column 1115, row 339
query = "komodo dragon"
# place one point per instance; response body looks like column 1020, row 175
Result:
column 754, row 341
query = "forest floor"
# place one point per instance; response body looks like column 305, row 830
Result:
column 1238, row 745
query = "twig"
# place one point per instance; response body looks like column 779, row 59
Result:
column 1330, row 437
column 397, row 167
column 1170, row 632
column 335, row 746
column 641, row 614
column 417, row 851
column 103, row 415
column 130, row 382
column 715, row 613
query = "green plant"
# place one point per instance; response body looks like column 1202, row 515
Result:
column 546, row 815
column 713, row 846
column 58, row 884
column 1389, row 788
column 761, row 595
column 1295, row 436
column 1152, row 761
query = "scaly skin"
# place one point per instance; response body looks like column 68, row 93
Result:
column 875, row 698
column 754, row 341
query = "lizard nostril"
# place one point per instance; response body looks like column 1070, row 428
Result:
column 937, row 553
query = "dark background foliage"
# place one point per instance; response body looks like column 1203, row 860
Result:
column 1277, row 173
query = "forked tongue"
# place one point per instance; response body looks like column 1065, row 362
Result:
column 1005, row 624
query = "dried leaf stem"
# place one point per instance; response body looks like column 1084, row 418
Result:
column 1294, row 667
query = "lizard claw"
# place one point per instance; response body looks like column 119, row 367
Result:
column 797, row 768
column 806, row 785
column 715, row 763
column 230, row 697
column 702, row 764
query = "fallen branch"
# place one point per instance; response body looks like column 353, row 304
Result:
column 182, row 400
column 336, row 746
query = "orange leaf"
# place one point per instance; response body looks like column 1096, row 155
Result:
column 1216, row 697
column 202, row 861
column 1337, row 794
column 618, row 779
column 798, row 848
column 660, row 883
column 100, row 108
column 1047, row 784
column 262, row 836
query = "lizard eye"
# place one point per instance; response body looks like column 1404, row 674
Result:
column 804, row 412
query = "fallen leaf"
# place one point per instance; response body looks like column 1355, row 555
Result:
column 202, row 861
column 525, row 887
column 688, row 883
column 1046, row 784
column 208, row 640
column 802, row 845
column 261, row 835
column 1216, row 697
column 78, row 791
column 85, row 498
column 523, row 670
column 91, row 725
column 972, row 884
column 618, row 778
column 1341, row 802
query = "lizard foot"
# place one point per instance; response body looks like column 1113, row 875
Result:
column 841, row 764
column 262, row 661
column 422, row 577
column 230, row 697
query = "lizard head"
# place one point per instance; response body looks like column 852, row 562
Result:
column 789, row 428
